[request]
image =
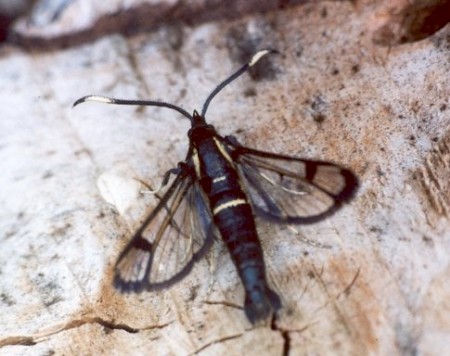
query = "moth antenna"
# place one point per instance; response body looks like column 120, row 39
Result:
column 104, row 99
column 256, row 57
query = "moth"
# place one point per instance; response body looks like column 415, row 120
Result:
column 216, row 193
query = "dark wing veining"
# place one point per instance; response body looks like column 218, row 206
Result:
column 176, row 234
column 292, row 190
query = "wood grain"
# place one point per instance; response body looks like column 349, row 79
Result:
column 334, row 94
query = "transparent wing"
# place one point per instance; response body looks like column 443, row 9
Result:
column 175, row 235
column 292, row 190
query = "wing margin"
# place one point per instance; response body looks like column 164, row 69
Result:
column 176, row 234
column 286, row 189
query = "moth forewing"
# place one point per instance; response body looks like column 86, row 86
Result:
column 185, row 237
column 165, row 248
column 293, row 190
column 131, row 269
column 335, row 180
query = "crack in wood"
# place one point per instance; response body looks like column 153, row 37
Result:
column 34, row 339
column 218, row 341
column 224, row 303
column 284, row 334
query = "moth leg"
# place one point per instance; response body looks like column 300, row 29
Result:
column 166, row 177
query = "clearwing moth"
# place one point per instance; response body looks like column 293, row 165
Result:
column 217, row 192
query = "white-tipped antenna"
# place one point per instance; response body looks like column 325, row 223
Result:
column 100, row 99
column 104, row 99
column 256, row 57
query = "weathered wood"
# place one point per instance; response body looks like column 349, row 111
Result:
column 334, row 94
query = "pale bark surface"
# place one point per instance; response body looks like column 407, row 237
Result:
column 337, row 93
